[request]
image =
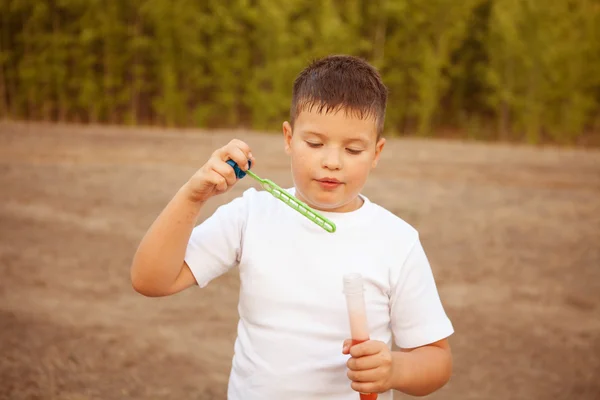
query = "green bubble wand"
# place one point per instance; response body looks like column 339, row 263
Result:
column 285, row 197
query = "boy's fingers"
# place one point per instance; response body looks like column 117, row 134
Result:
column 218, row 180
column 242, row 146
column 369, row 375
column 240, row 158
column 365, row 349
column 364, row 387
column 363, row 363
column 346, row 346
column 225, row 171
column 238, row 151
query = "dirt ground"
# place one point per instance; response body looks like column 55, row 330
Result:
column 513, row 235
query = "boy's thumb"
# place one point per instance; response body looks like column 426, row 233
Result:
column 346, row 346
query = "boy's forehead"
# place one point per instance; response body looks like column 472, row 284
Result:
column 339, row 123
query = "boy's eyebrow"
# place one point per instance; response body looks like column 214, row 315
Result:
column 322, row 135
column 352, row 139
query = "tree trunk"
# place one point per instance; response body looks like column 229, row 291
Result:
column 59, row 66
column 505, row 123
column 380, row 34
column 4, row 111
column 135, row 79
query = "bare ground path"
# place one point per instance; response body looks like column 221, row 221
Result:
column 513, row 234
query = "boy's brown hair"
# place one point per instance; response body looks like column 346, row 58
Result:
column 339, row 82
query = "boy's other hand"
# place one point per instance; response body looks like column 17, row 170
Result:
column 216, row 176
column 370, row 367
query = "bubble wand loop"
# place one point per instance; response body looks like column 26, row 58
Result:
column 285, row 197
column 355, row 302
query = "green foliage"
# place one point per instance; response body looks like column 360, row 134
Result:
column 544, row 67
column 508, row 69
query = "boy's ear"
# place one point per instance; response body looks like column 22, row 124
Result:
column 378, row 149
column 287, row 137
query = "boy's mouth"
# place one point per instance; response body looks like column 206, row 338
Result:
column 329, row 180
column 329, row 183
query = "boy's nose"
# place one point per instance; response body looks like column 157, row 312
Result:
column 331, row 160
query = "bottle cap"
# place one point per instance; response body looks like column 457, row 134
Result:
column 238, row 171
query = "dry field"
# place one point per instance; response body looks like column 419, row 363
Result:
column 513, row 234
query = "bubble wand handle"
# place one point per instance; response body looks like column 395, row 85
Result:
column 355, row 302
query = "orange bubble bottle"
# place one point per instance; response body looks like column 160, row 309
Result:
column 355, row 301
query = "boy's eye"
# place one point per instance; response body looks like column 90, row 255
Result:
column 354, row 151
column 313, row 144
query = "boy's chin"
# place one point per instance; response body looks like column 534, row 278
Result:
column 327, row 202
column 334, row 201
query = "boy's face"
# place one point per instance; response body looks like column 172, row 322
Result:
column 331, row 155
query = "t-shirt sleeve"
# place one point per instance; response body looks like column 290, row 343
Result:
column 215, row 245
column 417, row 315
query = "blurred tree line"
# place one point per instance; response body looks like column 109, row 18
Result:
column 506, row 69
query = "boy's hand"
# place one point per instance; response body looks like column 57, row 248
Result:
column 370, row 368
column 216, row 176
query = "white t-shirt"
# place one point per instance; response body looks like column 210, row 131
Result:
column 292, row 311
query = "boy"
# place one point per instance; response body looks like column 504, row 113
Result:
column 293, row 318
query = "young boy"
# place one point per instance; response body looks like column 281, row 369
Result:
column 293, row 330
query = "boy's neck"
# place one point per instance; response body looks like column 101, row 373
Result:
column 353, row 205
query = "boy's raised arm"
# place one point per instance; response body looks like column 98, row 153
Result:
column 158, row 267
